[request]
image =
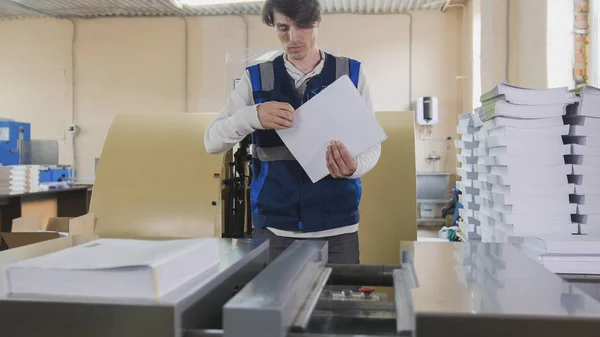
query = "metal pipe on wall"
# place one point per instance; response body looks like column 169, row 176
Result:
column 73, row 114
column 247, row 37
column 187, row 65
column 410, row 47
column 464, row 76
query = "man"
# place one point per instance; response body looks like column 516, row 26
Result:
column 286, row 205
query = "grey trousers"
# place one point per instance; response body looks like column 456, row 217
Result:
column 343, row 249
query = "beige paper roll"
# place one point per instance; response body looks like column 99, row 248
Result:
column 155, row 178
column 389, row 205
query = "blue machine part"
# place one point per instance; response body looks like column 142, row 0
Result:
column 10, row 133
column 45, row 176
column 54, row 175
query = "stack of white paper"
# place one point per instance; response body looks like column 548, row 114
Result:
column 522, row 180
column 563, row 254
column 584, row 139
column 467, row 160
column 33, row 178
column 115, row 269
column 13, row 179
column 19, row 179
column 528, row 96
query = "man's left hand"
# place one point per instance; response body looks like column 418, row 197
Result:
column 339, row 161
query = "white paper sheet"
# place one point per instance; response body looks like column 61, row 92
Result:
column 338, row 112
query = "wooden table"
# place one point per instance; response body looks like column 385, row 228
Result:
column 70, row 202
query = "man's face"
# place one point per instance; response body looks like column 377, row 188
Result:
column 297, row 42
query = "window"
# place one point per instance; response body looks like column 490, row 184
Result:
column 559, row 43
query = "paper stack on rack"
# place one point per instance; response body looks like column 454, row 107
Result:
column 584, row 138
column 19, row 179
column 525, row 190
column 33, row 178
column 13, row 179
column 467, row 161
column 115, row 269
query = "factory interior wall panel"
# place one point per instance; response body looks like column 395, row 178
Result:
column 437, row 61
column 528, row 42
column 156, row 179
column 35, row 76
column 137, row 65
column 493, row 43
column 195, row 65
column 388, row 206
column 46, row 208
column 384, row 51
column 219, row 35
column 125, row 66
column 527, row 47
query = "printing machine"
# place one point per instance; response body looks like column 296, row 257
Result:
column 440, row 289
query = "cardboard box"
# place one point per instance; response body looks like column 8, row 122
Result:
column 13, row 240
column 30, row 229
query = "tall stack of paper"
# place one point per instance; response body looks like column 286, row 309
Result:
column 115, row 269
column 584, row 136
column 467, row 160
column 525, row 190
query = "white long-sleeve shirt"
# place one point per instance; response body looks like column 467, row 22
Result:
column 239, row 118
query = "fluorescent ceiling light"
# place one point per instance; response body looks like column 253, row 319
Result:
column 192, row 3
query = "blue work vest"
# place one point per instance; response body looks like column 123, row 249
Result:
column 282, row 196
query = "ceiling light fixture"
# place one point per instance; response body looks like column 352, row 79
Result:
column 195, row 3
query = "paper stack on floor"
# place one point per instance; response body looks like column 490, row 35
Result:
column 467, row 170
column 19, row 179
column 525, row 191
column 115, row 269
column 584, row 137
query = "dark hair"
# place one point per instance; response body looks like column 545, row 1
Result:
column 304, row 13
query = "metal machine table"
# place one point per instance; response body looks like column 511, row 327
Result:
column 195, row 305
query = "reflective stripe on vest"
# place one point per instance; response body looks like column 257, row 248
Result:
column 272, row 153
column 262, row 76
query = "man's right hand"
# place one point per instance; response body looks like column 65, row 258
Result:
column 275, row 115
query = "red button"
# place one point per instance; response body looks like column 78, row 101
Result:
column 366, row 290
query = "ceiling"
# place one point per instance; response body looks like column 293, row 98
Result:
column 13, row 9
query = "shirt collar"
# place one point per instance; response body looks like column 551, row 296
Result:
column 290, row 67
